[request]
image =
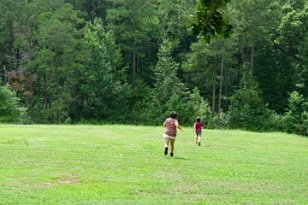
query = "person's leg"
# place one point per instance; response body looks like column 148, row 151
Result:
column 167, row 142
column 172, row 146
column 196, row 140
column 199, row 139
column 166, row 145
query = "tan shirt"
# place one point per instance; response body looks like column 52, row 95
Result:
column 170, row 126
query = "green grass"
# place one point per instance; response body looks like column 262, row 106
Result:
column 49, row 164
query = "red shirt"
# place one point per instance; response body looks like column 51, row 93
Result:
column 198, row 126
column 170, row 126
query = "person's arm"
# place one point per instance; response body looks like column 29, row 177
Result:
column 178, row 126
column 203, row 127
column 194, row 127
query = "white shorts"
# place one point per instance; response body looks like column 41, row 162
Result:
column 168, row 137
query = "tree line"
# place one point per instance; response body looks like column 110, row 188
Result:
column 134, row 61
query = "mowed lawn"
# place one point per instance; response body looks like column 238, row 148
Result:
column 119, row 164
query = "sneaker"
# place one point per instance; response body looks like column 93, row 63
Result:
column 166, row 151
column 199, row 143
column 171, row 154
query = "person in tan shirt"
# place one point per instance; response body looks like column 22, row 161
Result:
column 171, row 125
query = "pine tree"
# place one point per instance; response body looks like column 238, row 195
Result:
column 167, row 83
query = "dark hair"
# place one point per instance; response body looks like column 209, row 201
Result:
column 198, row 119
column 173, row 115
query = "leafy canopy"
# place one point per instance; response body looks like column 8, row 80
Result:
column 209, row 20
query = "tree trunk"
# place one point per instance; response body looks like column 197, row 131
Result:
column 31, row 107
column 243, row 60
column 58, row 112
column 214, row 86
column 45, row 91
column 134, row 64
column 239, row 69
column 4, row 80
column 47, row 96
column 220, row 86
column 58, row 109
column 226, row 87
column 251, row 60
column 17, row 58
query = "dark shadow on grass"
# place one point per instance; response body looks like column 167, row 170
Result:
column 202, row 145
column 179, row 158
column 176, row 158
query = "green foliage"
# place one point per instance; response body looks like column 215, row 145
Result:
column 209, row 21
column 247, row 109
column 10, row 109
column 57, row 60
column 170, row 94
column 176, row 103
column 200, row 62
column 197, row 68
column 296, row 118
column 167, row 83
column 224, row 121
column 91, row 9
column 109, row 61
column 189, row 107
column 292, row 25
column 197, row 106
column 103, row 94
column 133, row 22
column 282, row 70
column 173, row 18
column 303, row 68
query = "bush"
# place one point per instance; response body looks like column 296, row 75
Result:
column 223, row 121
column 189, row 108
column 10, row 109
column 296, row 118
column 247, row 109
column 275, row 122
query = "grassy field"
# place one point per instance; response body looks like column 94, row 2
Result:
column 49, row 164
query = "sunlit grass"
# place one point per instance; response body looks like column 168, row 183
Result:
column 49, row 164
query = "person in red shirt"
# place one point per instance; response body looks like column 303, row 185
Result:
column 171, row 124
column 198, row 129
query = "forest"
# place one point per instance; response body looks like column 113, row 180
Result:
column 134, row 61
